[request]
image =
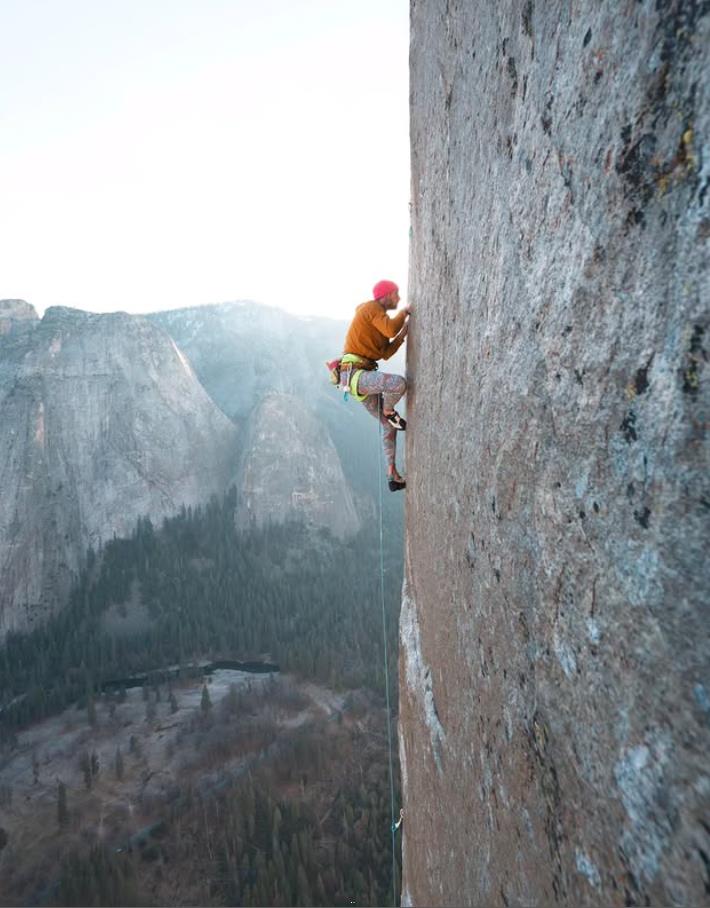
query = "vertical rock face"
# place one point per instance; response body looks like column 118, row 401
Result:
column 291, row 470
column 555, row 703
column 102, row 421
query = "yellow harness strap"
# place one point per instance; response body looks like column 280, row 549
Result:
column 354, row 378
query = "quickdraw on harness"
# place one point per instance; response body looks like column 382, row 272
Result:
column 345, row 373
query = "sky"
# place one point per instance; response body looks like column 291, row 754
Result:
column 164, row 153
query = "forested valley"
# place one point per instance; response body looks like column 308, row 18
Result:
column 304, row 818
column 198, row 589
column 309, row 824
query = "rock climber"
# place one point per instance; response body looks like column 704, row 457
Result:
column 373, row 335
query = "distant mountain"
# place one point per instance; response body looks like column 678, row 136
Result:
column 17, row 316
column 102, row 420
column 107, row 418
column 243, row 350
column 291, row 469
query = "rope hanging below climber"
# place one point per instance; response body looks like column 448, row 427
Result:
column 372, row 336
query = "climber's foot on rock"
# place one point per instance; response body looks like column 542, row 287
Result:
column 395, row 482
column 395, row 420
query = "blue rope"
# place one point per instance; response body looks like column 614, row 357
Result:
column 387, row 673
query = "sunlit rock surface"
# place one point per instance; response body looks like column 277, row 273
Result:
column 102, row 421
column 555, row 702
column 291, row 470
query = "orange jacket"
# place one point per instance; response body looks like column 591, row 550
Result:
column 370, row 332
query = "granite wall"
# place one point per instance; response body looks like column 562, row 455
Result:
column 554, row 671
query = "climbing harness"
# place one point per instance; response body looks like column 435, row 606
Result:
column 346, row 371
column 394, row 827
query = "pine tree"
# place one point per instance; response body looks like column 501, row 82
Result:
column 85, row 766
column 118, row 764
column 62, row 811
column 205, row 702
column 91, row 711
column 303, row 890
column 320, row 892
column 231, row 701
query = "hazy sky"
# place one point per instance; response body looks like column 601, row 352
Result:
column 163, row 153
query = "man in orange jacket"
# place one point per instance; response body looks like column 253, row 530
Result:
column 373, row 335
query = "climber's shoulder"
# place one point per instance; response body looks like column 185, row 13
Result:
column 368, row 310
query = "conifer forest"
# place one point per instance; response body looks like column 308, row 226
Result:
column 282, row 811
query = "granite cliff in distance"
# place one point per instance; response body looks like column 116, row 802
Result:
column 265, row 368
column 291, row 470
column 243, row 351
column 102, row 421
column 17, row 316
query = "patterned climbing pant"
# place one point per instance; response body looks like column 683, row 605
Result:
column 383, row 390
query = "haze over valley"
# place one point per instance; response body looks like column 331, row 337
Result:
column 180, row 490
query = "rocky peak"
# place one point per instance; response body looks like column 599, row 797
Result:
column 243, row 350
column 16, row 315
column 70, row 315
column 103, row 422
column 291, row 470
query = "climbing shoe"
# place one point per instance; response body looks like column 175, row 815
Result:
column 396, row 421
column 396, row 484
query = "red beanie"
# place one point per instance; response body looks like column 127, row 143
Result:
column 382, row 288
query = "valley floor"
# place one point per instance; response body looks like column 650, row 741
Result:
column 131, row 778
